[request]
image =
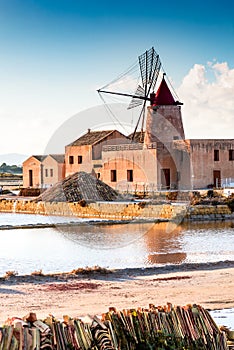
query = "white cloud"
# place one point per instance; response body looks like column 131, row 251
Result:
column 208, row 110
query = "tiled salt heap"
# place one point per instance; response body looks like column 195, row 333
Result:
column 80, row 186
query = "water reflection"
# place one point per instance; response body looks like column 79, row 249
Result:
column 113, row 246
column 164, row 244
column 169, row 258
column 106, row 236
column 160, row 241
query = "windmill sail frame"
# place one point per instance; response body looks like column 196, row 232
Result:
column 150, row 65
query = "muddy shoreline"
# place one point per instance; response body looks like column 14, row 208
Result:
column 77, row 295
column 114, row 274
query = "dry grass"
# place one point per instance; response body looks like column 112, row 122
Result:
column 37, row 273
column 90, row 270
column 9, row 274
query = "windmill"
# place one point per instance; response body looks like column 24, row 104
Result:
column 149, row 65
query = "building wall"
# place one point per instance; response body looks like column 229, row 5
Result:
column 34, row 165
column 203, row 164
column 165, row 161
column 148, row 164
column 175, row 157
column 116, row 138
column 85, row 152
column 52, row 171
column 140, row 161
column 91, row 154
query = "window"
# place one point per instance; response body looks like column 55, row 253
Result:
column 79, row 159
column 113, row 176
column 71, row 160
column 216, row 155
column 51, row 173
column 98, row 175
column 130, row 175
column 46, row 172
column 231, row 154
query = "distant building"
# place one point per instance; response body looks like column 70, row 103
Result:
column 32, row 171
column 53, row 168
column 42, row 171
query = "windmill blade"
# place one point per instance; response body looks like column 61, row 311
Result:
column 149, row 67
column 155, row 73
column 136, row 101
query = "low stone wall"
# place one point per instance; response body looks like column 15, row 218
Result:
column 120, row 210
column 101, row 210
column 208, row 212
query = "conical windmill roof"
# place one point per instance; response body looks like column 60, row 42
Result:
column 163, row 95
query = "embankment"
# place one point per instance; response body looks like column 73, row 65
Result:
column 120, row 210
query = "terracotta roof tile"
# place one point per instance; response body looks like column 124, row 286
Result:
column 40, row 157
column 60, row 158
column 91, row 137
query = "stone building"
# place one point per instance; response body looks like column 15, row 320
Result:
column 160, row 158
column 32, row 171
column 42, row 171
column 85, row 153
column 156, row 162
column 212, row 162
column 53, row 168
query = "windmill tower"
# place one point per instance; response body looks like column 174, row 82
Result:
column 164, row 120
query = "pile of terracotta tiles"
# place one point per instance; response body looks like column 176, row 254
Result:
column 188, row 327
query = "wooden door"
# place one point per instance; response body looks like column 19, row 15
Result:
column 30, row 178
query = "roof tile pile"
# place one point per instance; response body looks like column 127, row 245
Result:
column 189, row 327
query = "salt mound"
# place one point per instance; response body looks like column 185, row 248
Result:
column 79, row 186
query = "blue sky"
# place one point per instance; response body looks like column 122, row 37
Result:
column 55, row 54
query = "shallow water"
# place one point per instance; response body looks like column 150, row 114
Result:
column 113, row 246
column 224, row 317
